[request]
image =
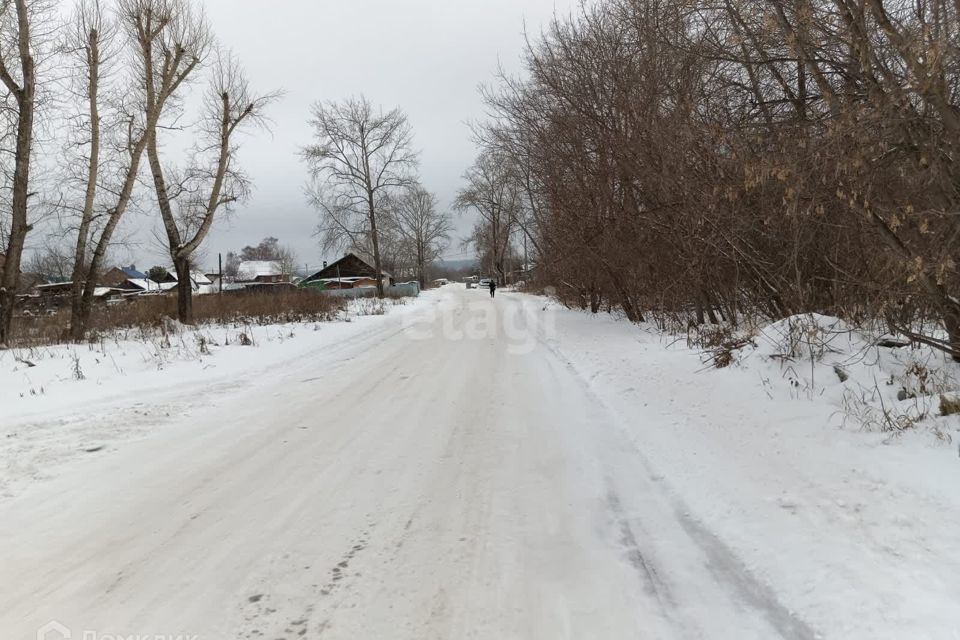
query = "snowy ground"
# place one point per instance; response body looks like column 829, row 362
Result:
column 462, row 468
column 65, row 401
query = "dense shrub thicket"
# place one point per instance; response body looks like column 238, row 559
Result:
column 704, row 160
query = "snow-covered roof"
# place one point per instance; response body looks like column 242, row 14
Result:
column 348, row 279
column 64, row 287
column 200, row 278
column 55, row 285
column 253, row 269
column 146, row 284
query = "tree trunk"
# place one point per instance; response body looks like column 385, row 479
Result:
column 595, row 299
column 181, row 261
column 11, row 276
column 421, row 269
column 732, row 311
column 629, row 308
column 106, row 234
column 626, row 302
column 184, row 290
column 708, row 304
column 951, row 323
column 79, row 316
column 79, row 311
column 376, row 243
column 6, row 315
column 81, row 308
column 19, row 227
column 96, row 262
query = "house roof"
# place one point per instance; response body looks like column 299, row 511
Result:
column 54, row 286
column 131, row 272
column 146, row 284
column 348, row 266
column 348, row 279
column 64, row 287
column 171, row 275
column 197, row 279
column 200, row 278
column 253, row 269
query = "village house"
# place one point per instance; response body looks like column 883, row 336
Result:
column 169, row 275
column 349, row 282
column 201, row 284
column 132, row 281
column 261, row 272
column 349, row 272
column 215, row 280
column 146, row 285
column 56, row 295
column 117, row 276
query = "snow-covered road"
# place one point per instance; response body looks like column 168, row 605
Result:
column 447, row 475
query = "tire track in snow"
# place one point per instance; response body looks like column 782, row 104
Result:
column 653, row 583
column 723, row 563
column 727, row 568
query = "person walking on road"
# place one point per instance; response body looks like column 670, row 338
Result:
column 493, row 286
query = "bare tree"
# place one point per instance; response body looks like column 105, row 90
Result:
column 51, row 261
column 168, row 43
column 88, row 39
column 361, row 155
column 396, row 255
column 190, row 200
column 231, row 264
column 269, row 249
column 707, row 159
column 17, row 72
column 426, row 230
column 495, row 196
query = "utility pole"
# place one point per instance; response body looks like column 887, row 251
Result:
column 220, row 267
column 524, row 270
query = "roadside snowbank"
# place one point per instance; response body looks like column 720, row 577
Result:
column 885, row 386
column 65, row 401
column 855, row 529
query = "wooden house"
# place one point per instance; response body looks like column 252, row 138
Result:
column 349, row 272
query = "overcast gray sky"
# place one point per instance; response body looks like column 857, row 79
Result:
column 426, row 56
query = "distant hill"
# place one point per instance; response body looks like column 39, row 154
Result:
column 457, row 265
